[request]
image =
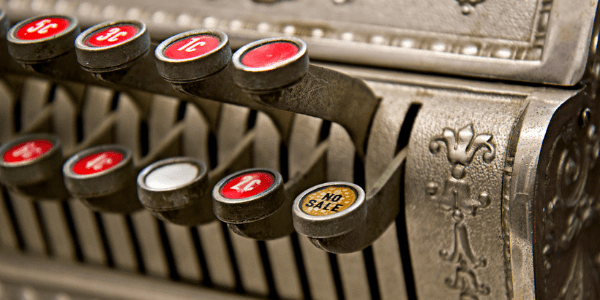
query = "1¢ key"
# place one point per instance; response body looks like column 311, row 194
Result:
column 32, row 165
column 42, row 38
column 103, row 178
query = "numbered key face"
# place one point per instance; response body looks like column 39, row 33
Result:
column 97, row 162
column 247, row 185
column 42, row 38
column 112, row 45
column 27, row 151
column 192, row 47
column 248, row 195
column 112, row 35
column 30, row 159
column 43, row 28
column 192, row 55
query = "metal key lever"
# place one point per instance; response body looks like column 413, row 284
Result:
column 196, row 63
column 338, row 218
column 187, row 201
column 286, row 82
column 256, row 204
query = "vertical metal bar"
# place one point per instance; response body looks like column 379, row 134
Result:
column 33, row 237
column 120, row 242
column 304, row 138
column 60, row 240
column 148, row 235
column 217, row 256
column 7, row 111
column 391, row 121
column 8, row 234
column 340, row 162
column 185, row 256
column 232, row 128
column 88, row 233
column 281, row 255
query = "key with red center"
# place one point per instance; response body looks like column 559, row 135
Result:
column 42, row 38
column 32, row 165
column 175, row 189
column 248, row 196
column 192, row 55
column 112, row 45
column 103, row 178
column 270, row 64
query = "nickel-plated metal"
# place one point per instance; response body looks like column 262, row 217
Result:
column 46, row 46
column 3, row 24
column 115, row 56
column 36, row 169
column 195, row 67
column 110, row 189
column 178, row 200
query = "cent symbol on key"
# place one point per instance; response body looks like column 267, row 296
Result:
column 44, row 28
column 97, row 162
column 27, row 151
column 247, row 185
column 248, row 195
column 112, row 35
column 192, row 46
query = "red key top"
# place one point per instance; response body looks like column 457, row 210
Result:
column 192, row 55
column 41, row 38
column 192, row 47
column 97, row 162
column 103, row 178
column 112, row 36
column 112, row 45
column 247, row 185
column 269, row 54
column 248, row 195
column 27, row 151
column 270, row 64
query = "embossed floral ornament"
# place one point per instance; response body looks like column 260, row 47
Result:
column 468, row 6
column 456, row 197
column 461, row 147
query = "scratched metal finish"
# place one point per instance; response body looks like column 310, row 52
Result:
column 543, row 41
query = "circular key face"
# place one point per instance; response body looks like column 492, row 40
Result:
column 42, row 28
column 329, row 209
column 171, row 176
column 328, row 200
column 41, row 38
column 270, row 64
column 248, row 195
column 268, row 54
column 192, row 55
column 27, row 151
column 247, row 185
column 112, row 46
column 191, row 47
column 111, row 36
column 97, row 162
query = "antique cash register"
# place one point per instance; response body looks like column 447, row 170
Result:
column 299, row 149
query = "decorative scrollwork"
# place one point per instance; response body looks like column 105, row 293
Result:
column 456, row 197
